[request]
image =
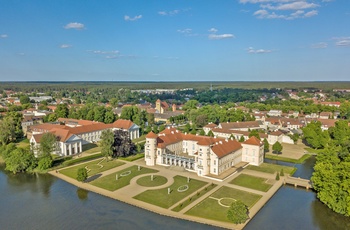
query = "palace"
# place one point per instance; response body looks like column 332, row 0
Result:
column 201, row 154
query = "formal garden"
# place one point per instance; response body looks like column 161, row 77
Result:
column 121, row 178
column 248, row 181
column 216, row 206
column 92, row 167
column 152, row 181
column 167, row 197
column 272, row 168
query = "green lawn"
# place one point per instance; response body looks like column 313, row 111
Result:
column 195, row 197
column 211, row 209
column 248, row 181
column 132, row 157
column 110, row 183
column 147, row 181
column 286, row 159
column 140, row 139
column 91, row 148
column 271, row 168
column 23, row 143
column 161, row 198
column 95, row 169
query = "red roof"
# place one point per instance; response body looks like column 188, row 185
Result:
column 253, row 141
column 226, row 147
column 123, row 124
column 151, row 135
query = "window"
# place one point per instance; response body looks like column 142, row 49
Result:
column 214, row 163
column 214, row 170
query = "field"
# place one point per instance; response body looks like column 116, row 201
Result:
column 110, row 183
column 257, row 183
column 161, row 198
column 271, row 168
column 93, row 166
column 216, row 205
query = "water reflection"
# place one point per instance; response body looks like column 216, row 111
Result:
column 82, row 194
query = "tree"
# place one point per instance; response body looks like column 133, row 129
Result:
column 238, row 212
column 82, row 174
column 20, row 160
column 277, row 147
column 278, row 176
column 7, row 130
column 161, row 128
column 48, row 144
column 210, row 133
column 201, row 120
column 314, row 135
column 202, row 132
column 45, row 162
column 122, row 145
column 24, row 99
column 106, row 143
column 109, row 117
column 62, row 110
column 150, row 118
column 254, row 133
column 241, row 139
column 266, row 145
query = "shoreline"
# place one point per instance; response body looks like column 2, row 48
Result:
column 123, row 195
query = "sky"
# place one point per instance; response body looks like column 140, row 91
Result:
column 174, row 40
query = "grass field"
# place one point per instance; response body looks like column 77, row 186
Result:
column 195, row 197
column 286, row 159
column 23, row 143
column 132, row 157
column 271, row 168
column 91, row 148
column 92, row 165
column 147, row 181
column 161, row 198
column 248, row 181
column 211, row 209
column 110, row 183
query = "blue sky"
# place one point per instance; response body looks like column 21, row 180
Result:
column 175, row 40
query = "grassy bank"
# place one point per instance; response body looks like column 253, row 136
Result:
column 286, row 159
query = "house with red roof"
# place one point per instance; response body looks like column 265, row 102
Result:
column 206, row 156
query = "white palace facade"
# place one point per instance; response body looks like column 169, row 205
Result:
column 202, row 154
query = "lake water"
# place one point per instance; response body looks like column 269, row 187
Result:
column 45, row 202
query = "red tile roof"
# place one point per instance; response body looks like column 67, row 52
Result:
column 151, row 135
column 226, row 147
column 253, row 141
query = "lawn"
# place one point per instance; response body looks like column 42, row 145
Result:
column 271, row 168
column 147, row 181
column 132, row 157
column 286, row 159
column 140, row 139
column 91, row 148
column 195, row 197
column 257, row 183
column 161, row 198
column 92, row 165
column 211, row 209
column 23, row 143
column 110, row 183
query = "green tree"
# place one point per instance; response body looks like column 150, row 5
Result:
column 161, row 128
column 202, row 132
column 48, row 144
column 114, row 102
column 266, row 146
column 150, row 118
column 278, row 176
column 210, row 133
column 7, row 130
column 238, row 212
column 254, row 133
column 277, row 147
column 106, row 143
column 314, row 135
column 109, row 117
column 82, row 174
column 24, row 99
column 241, row 139
column 62, row 111
column 191, row 104
column 45, row 162
column 20, row 160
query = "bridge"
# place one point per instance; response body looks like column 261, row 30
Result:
column 297, row 181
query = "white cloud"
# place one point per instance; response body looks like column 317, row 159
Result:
column 185, row 31
column 300, row 5
column 3, row 36
column 74, row 25
column 220, row 36
column 172, row 12
column 342, row 41
column 251, row 50
column 64, row 46
column 103, row 52
column 292, row 9
column 320, row 45
column 213, row 30
column 345, row 42
column 128, row 18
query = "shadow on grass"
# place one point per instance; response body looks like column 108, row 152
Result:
column 92, row 178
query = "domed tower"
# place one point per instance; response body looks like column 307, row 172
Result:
column 151, row 149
